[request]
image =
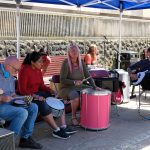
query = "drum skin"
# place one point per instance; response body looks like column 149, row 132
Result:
column 95, row 109
column 56, row 105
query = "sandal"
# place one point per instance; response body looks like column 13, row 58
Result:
column 75, row 121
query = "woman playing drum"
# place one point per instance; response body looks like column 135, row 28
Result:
column 73, row 72
column 30, row 82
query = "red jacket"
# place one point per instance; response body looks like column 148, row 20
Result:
column 30, row 81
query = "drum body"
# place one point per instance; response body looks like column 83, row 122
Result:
column 56, row 105
column 95, row 109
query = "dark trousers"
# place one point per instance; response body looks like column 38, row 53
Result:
column 146, row 82
column 43, row 107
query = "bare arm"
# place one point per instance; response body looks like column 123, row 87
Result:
column 5, row 99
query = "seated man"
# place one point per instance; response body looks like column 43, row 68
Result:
column 20, row 118
column 141, row 66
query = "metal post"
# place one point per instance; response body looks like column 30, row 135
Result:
column 18, row 26
column 120, row 27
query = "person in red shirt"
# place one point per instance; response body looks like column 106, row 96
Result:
column 30, row 82
column 91, row 58
column 46, row 60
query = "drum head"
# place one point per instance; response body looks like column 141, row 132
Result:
column 55, row 103
column 95, row 92
column 19, row 102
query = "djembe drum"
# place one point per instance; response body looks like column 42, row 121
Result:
column 56, row 105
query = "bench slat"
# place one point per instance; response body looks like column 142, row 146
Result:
column 54, row 67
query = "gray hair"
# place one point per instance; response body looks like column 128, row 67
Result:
column 71, row 45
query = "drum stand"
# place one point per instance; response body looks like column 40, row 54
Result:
column 117, row 110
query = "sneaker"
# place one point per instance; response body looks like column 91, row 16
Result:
column 69, row 130
column 61, row 134
column 29, row 143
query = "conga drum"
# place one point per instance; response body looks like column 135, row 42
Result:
column 95, row 109
column 56, row 105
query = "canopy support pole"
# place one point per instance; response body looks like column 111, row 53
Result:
column 18, row 27
column 120, row 34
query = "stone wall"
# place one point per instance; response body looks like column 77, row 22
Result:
column 58, row 47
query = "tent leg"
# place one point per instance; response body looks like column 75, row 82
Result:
column 120, row 45
column 18, row 28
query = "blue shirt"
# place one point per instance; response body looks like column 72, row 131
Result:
column 7, row 84
column 141, row 66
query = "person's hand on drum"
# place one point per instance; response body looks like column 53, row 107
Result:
column 39, row 98
column 98, row 88
column 5, row 99
column 133, row 76
column 78, row 82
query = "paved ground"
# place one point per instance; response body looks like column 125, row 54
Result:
column 127, row 131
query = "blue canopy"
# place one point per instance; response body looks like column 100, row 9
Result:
column 119, row 5
column 103, row 4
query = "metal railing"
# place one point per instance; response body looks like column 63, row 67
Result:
column 35, row 24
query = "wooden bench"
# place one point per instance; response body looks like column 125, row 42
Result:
column 54, row 67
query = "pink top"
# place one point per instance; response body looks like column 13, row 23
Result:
column 89, row 60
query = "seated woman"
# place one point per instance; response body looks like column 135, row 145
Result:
column 91, row 58
column 30, row 82
column 72, row 73
column 46, row 61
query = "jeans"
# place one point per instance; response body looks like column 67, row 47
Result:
column 21, row 119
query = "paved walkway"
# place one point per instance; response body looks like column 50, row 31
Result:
column 127, row 131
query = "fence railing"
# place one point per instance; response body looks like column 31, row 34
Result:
column 35, row 24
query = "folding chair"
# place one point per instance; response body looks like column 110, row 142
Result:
column 132, row 92
column 141, row 92
column 56, row 80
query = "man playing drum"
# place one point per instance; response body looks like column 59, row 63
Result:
column 140, row 71
column 20, row 118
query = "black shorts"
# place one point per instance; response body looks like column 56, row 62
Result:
column 43, row 107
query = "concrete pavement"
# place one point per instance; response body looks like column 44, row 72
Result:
column 127, row 131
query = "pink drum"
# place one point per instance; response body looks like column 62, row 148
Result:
column 95, row 109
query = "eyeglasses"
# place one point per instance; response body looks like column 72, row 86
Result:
column 16, row 69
